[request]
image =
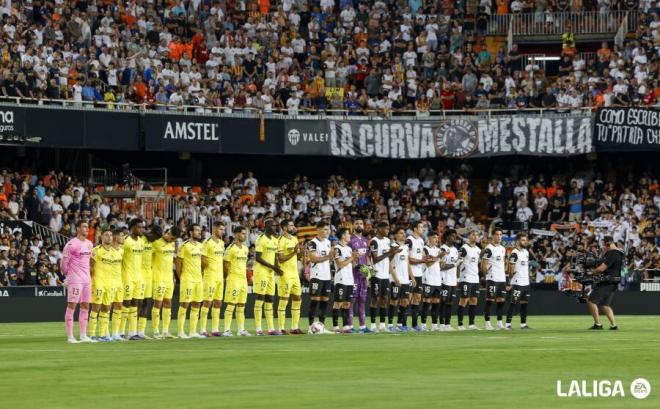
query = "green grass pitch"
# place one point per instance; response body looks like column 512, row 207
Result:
column 468, row 370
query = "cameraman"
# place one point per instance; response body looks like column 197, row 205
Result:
column 603, row 291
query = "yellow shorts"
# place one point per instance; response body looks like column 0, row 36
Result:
column 190, row 291
column 100, row 293
column 116, row 292
column 163, row 290
column 288, row 286
column 133, row 289
column 213, row 289
column 148, row 285
column 236, row 290
column 263, row 284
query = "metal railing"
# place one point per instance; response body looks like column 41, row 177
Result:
column 586, row 22
column 46, row 233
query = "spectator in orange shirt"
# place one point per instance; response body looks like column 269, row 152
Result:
column 140, row 89
column 604, row 52
column 449, row 195
column 264, row 6
column 247, row 197
column 502, row 7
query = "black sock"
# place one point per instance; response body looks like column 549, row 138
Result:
column 390, row 313
column 335, row 317
column 323, row 306
column 523, row 313
column 447, row 313
column 510, row 313
column 313, row 305
column 472, row 311
column 402, row 315
column 460, row 312
column 487, row 311
column 435, row 312
column 345, row 316
column 383, row 314
column 424, row 313
column 414, row 312
column 499, row 308
column 372, row 313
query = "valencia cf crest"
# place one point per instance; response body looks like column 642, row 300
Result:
column 456, row 138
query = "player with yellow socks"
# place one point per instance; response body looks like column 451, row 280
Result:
column 163, row 253
column 104, row 259
column 288, row 282
column 263, row 280
column 189, row 270
column 144, row 307
column 235, row 268
column 132, row 277
column 213, row 280
column 117, row 284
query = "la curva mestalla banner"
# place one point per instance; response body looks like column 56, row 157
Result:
column 627, row 129
column 462, row 137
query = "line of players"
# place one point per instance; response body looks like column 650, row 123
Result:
column 133, row 275
column 407, row 272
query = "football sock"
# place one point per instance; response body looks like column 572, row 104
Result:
column 510, row 313
column 523, row 313
column 240, row 317
column 155, row 320
column 124, row 319
column 104, row 318
column 424, row 312
column 415, row 311
column 167, row 318
column 383, row 315
column 499, row 308
column 335, row 317
column 460, row 312
column 116, row 321
column 402, row 315
column 350, row 310
column 68, row 322
column 472, row 312
column 142, row 325
column 281, row 314
column 194, row 319
column 313, row 305
column 93, row 319
column 203, row 318
column 215, row 319
column 295, row 314
column 447, row 314
column 83, row 316
column 181, row 321
column 372, row 314
column 435, row 312
column 487, row 310
column 323, row 306
column 229, row 315
column 361, row 311
column 346, row 316
column 390, row 314
column 258, row 312
column 268, row 312
column 132, row 320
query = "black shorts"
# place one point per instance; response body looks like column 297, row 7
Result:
column 379, row 287
column 495, row 289
column 320, row 288
column 419, row 287
column 401, row 292
column 468, row 290
column 448, row 292
column 519, row 293
column 602, row 293
column 432, row 291
column 343, row 293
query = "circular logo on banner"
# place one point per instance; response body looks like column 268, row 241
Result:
column 640, row 388
column 456, row 138
column 294, row 137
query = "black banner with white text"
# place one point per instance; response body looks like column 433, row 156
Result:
column 627, row 129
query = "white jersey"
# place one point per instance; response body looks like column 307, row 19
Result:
column 400, row 263
column 495, row 256
column 320, row 248
column 416, row 250
column 343, row 275
column 433, row 275
column 380, row 247
column 451, row 257
column 520, row 260
column 469, row 272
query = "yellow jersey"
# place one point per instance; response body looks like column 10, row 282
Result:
column 285, row 246
column 267, row 246
column 214, row 252
column 237, row 258
column 191, row 254
column 107, row 265
column 163, row 260
column 146, row 257
column 132, row 260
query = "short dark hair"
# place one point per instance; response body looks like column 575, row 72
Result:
column 521, row 235
column 341, row 232
column 414, row 225
column 192, row 226
column 239, row 229
column 174, row 231
column 321, row 224
column 218, row 223
column 80, row 222
column 432, row 233
column 381, row 225
column 285, row 223
column 497, row 229
column 608, row 240
column 134, row 222
column 106, row 228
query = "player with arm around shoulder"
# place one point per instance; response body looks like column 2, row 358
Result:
column 403, row 283
column 188, row 265
column 433, row 283
column 379, row 284
column 519, row 269
column 235, row 268
column 468, row 283
column 344, row 282
column 493, row 260
column 288, row 282
column 164, row 252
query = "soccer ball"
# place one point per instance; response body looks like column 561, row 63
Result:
column 317, row 327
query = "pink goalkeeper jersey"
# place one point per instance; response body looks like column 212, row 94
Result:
column 75, row 261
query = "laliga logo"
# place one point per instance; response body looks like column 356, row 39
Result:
column 294, row 137
column 639, row 388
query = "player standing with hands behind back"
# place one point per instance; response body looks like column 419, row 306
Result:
column 344, row 258
column 519, row 267
column 320, row 255
column 75, row 266
column 288, row 283
column 235, row 268
column 189, row 270
column 492, row 263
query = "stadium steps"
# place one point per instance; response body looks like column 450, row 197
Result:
column 479, row 200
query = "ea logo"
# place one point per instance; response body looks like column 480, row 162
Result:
column 294, row 137
column 640, row 388
column 456, row 138
column 7, row 117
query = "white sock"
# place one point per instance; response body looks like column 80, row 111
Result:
column 499, row 323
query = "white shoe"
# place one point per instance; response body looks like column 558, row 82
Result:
column 382, row 327
column 72, row 340
column 373, row 328
column 87, row 340
column 309, row 330
column 157, row 336
column 434, row 327
column 145, row 336
column 244, row 333
column 167, row 335
column 500, row 325
column 508, row 327
column 197, row 335
column 449, row 328
column 461, row 328
column 424, row 328
column 184, row 336
column 489, row 326
column 227, row 333
column 119, row 338
column 473, row 328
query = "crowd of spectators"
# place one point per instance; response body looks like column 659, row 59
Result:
column 295, row 56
